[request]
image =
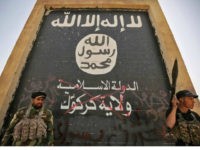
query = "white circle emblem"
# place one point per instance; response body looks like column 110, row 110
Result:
column 96, row 54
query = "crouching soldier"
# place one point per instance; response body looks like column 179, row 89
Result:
column 31, row 126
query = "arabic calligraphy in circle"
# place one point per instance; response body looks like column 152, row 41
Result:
column 96, row 54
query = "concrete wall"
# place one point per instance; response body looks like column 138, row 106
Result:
column 10, row 78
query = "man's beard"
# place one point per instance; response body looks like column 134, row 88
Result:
column 37, row 106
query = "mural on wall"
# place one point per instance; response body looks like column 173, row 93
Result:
column 104, row 75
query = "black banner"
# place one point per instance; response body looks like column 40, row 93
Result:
column 104, row 76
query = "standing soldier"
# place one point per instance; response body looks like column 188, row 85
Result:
column 32, row 126
column 183, row 123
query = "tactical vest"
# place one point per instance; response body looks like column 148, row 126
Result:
column 187, row 131
column 30, row 129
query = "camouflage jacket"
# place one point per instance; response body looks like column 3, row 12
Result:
column 46, row 121
column 187, row 129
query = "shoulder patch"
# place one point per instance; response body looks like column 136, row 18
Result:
column 21, row 111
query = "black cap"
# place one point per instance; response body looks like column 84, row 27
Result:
column 185, row 93
column 36, row 94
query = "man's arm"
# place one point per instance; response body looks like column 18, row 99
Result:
column 9, row 131
column 171, row 118
column 50, row 135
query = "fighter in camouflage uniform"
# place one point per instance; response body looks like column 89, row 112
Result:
column 184, row 124
column 32, row 126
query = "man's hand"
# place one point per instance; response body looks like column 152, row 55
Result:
column 174, row 102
